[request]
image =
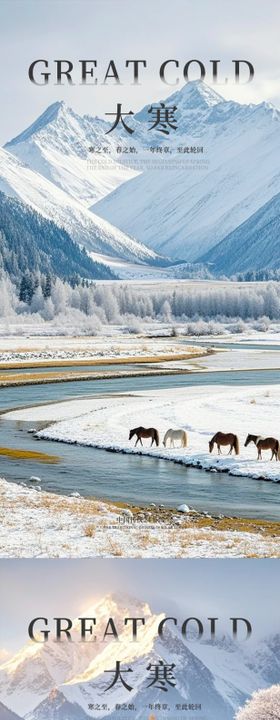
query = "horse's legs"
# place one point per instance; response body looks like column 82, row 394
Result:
column 259, row 454
column 137, row 441
column 152, row 442
column 219, row 450
column 230, row 450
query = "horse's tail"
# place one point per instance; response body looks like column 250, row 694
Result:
column 185, row 439
column 157, row 437
column 236, row 445
column 278, row 449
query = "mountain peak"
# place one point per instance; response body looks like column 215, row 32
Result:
column 115, row 603
column 196, row 94
column 49, row 115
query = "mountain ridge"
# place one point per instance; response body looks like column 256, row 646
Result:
column 56, row 144
column 96, row 235
column 185, row 213
column 253, row 245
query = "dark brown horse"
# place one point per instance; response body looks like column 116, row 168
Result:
column 261, row 443
column 225, row 439
column 142, row 432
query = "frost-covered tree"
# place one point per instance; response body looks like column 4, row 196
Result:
column 60, row 293
column 166, row 310
column 272, row 301
column 109, row 303
column 8, row 297
column 48, row 311
column 38, row 301
column 264, row 705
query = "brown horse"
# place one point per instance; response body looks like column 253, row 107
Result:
column 142, row 432
column 268, row 443
column 225, row 439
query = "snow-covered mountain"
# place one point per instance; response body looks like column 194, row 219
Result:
column 58, row 681
column 95, row 234
column 57, row 146
column 194, row 681
column 254, row 245
column 29, row 676
column 184, row 212
column 181, row 213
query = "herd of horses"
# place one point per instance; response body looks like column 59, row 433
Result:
column 220, row 439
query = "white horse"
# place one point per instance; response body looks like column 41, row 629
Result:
column 175, row 435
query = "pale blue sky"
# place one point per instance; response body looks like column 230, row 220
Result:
column 126, row 29
column 204, row 588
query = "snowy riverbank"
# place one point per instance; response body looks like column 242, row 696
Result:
column 39, row 524
column 35, row 523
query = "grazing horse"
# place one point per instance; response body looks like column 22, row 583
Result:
column 268, row 443
column 175, row 435
column 225, row 439
column 142, row 432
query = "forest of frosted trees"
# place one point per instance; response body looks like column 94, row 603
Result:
column 201, row 308
column 29, row 242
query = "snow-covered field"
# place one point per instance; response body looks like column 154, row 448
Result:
column 114, row 347
column 117, row 345
column 202, row 411
column 39, row 524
